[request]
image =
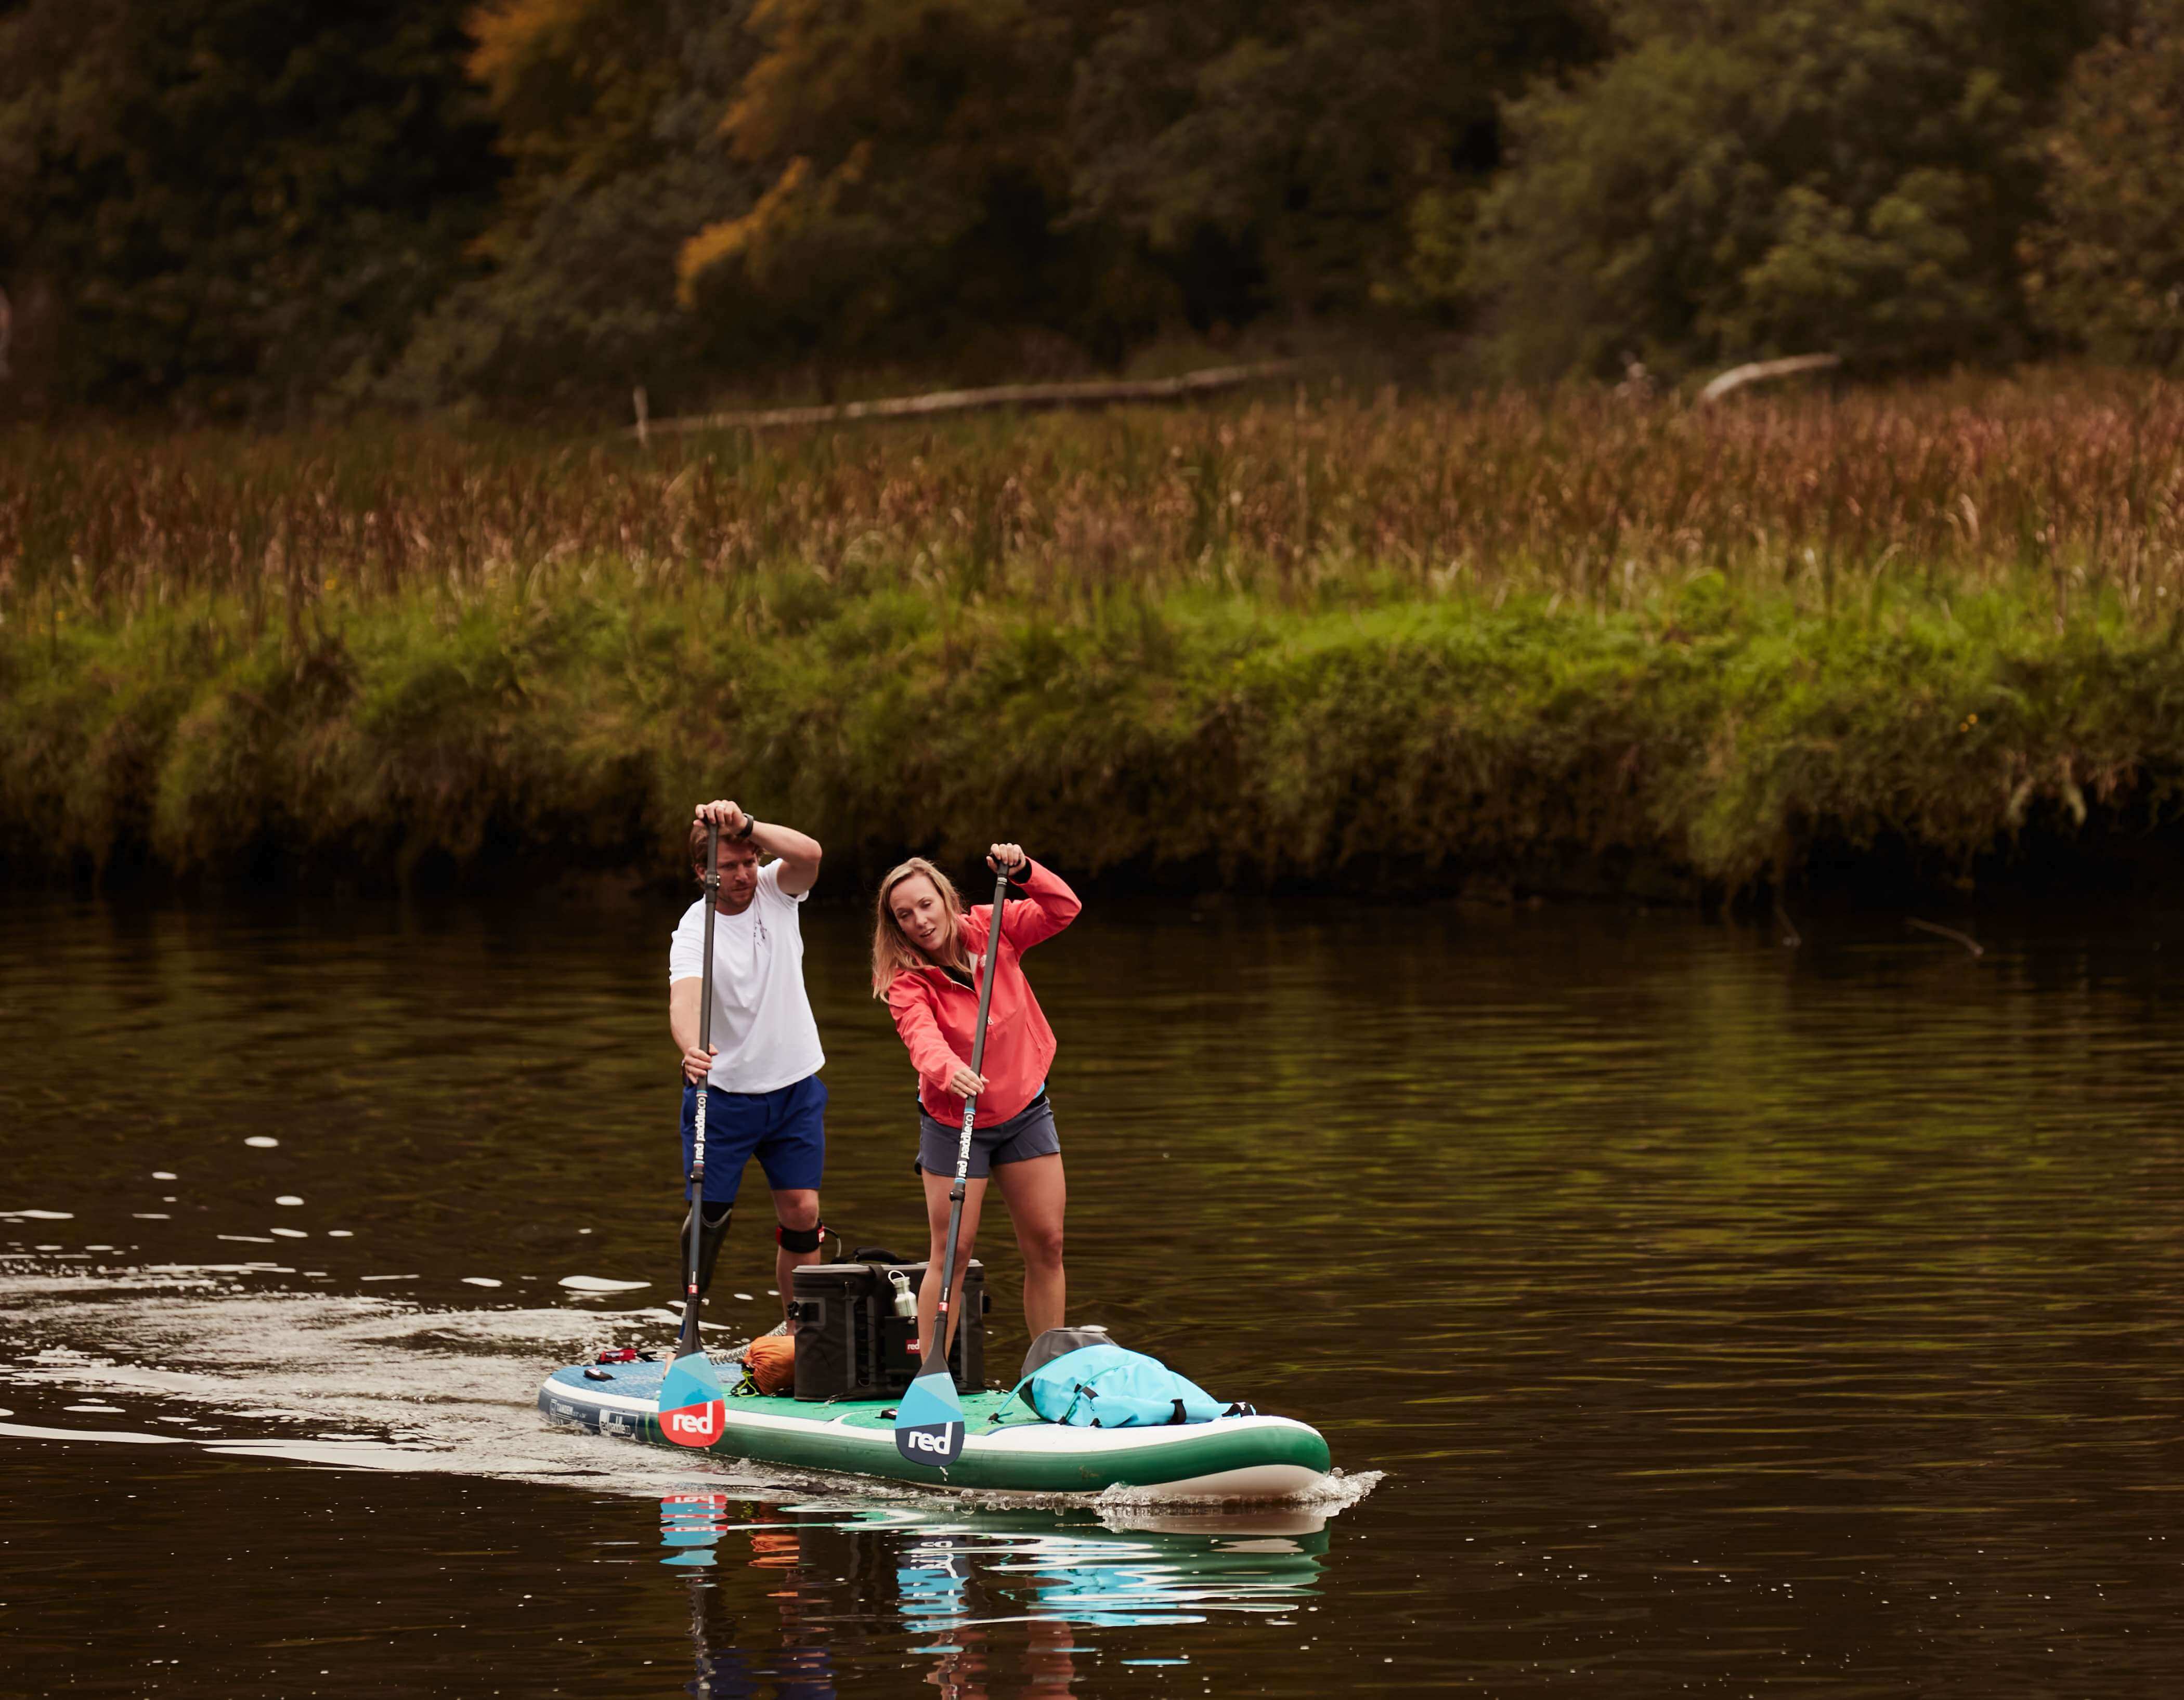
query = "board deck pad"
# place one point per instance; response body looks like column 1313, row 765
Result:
column 1005, row 1446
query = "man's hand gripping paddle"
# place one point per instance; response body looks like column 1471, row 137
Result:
column 929, row 1423
column 692, row 1410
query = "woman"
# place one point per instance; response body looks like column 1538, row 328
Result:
column 927, row 952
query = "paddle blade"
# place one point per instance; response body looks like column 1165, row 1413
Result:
column 693, row 1407
column 928, row 1422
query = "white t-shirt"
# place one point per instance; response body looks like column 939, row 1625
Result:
column 762, row 1025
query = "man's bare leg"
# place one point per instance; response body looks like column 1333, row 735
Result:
column 795, row 1207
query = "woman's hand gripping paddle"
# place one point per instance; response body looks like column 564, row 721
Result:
column 693, row 1408
column 929, row 1423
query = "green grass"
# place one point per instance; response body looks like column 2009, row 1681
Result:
column 1338, row 643
column 1191, row 731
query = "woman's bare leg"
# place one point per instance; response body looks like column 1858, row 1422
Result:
column 936, row 1218
column 1037, row 1196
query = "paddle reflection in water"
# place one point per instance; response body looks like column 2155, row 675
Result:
column 998, row 1597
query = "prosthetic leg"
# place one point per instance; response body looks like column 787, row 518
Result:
column 712, row 1237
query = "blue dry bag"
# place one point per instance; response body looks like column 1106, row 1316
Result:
column 1108, row 1387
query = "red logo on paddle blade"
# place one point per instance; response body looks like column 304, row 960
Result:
column 695, row 1425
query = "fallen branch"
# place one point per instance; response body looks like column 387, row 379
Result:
column 1758, row 371
column 1027, row 397
column 1968, row 942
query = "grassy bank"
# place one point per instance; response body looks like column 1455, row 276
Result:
column 1334, row 640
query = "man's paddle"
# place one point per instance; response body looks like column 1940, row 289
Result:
column 693, row 1408
column 929, row 1423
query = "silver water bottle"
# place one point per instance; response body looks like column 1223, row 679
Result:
column 906, row 1301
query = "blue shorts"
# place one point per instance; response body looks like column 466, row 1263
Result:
column 785, row 1129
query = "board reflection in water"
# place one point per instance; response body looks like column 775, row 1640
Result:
column 999, row 1598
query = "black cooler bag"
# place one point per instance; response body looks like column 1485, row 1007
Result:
column 851, row 1344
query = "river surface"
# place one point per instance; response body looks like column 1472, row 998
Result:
column 1687, row 1313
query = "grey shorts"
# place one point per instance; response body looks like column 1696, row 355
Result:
column 1027, row 1134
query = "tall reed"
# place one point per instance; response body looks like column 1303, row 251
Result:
column 2076, row 480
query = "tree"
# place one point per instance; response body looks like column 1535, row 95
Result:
column 232, row 203
column 935, row 166
column 2105, row 270
column 1299, row 155
column 916, row 180
column 607, row 114
column 1744, row 181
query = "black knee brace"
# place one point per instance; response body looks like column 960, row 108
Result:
column 799, row 1239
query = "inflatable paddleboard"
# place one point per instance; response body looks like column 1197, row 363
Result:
column 1005, row 1446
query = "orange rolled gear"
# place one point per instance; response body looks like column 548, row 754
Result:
column 770, row 1361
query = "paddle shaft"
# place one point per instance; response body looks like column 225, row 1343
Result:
column 936, row 1349
column 694, row 1186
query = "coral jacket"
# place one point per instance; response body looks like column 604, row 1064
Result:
column 937, row 1016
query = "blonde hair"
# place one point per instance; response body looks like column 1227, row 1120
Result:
column 892, row 953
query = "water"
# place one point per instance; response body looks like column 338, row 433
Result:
column 1689, row 1314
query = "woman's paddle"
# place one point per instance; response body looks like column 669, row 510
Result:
column 692, row 1410
column 929, row 1423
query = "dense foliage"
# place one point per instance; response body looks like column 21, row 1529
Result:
column 244, row 208
column 2108, row 267
column 1850, row 175
column 607, row 114
column 238, row 205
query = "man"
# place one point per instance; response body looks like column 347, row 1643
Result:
column 763, row 1096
